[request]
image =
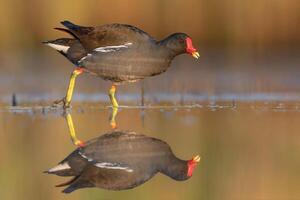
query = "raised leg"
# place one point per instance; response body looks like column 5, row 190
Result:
column 72, row 132
column 70, row 90
column 113, row 100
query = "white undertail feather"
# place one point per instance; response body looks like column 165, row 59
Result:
column 59, row 47
column 60, row 167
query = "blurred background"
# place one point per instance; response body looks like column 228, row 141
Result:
column 244, row 92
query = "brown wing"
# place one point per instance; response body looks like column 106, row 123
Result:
column 107, row 35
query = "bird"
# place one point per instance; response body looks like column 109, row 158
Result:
column 121, row 160
column 120, row 53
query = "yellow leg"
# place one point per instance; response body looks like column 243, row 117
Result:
column 113, row 100
column 68, row 97
column 74, row 138
column 113, row 122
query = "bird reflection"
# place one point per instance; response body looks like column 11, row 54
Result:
column 120, row 160
column 72, row 131
column 112, row 118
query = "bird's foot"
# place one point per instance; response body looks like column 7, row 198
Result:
column 66, row 105
column 61, row 101
column 58, row 102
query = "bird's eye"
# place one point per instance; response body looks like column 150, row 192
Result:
column 181, row 40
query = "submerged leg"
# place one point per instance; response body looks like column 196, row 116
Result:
column 69, row 94
column 74, row 138
column 113, row 100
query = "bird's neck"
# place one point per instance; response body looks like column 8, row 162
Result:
column 166, row 46
column 175, row 168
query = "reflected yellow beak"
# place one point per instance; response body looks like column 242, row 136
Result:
column 196, row 54
column 197, row 159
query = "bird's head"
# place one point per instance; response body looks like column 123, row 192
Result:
column 181, row 43
column 191, row 165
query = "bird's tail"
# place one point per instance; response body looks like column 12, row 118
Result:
column 76, row 29
column 66, row 31
column 74, row 184
column 69, row 182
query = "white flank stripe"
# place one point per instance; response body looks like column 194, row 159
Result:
column 84, row 156
column 60, row 167
column 112, row 166
column 59, row 47
column 112, row 48
column 106, row 164
column 106, row 50
column 83, row 58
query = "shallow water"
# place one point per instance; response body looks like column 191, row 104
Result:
column 249, row 150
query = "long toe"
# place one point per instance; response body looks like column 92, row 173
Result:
column 66, row 105
column 57, row 102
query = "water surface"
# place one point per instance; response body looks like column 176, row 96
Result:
column 248, row 150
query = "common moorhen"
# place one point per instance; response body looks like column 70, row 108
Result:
column 121, row 160
column 119, row 53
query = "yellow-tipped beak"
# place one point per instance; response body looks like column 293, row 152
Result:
column 197, row 158
column 196, row 54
